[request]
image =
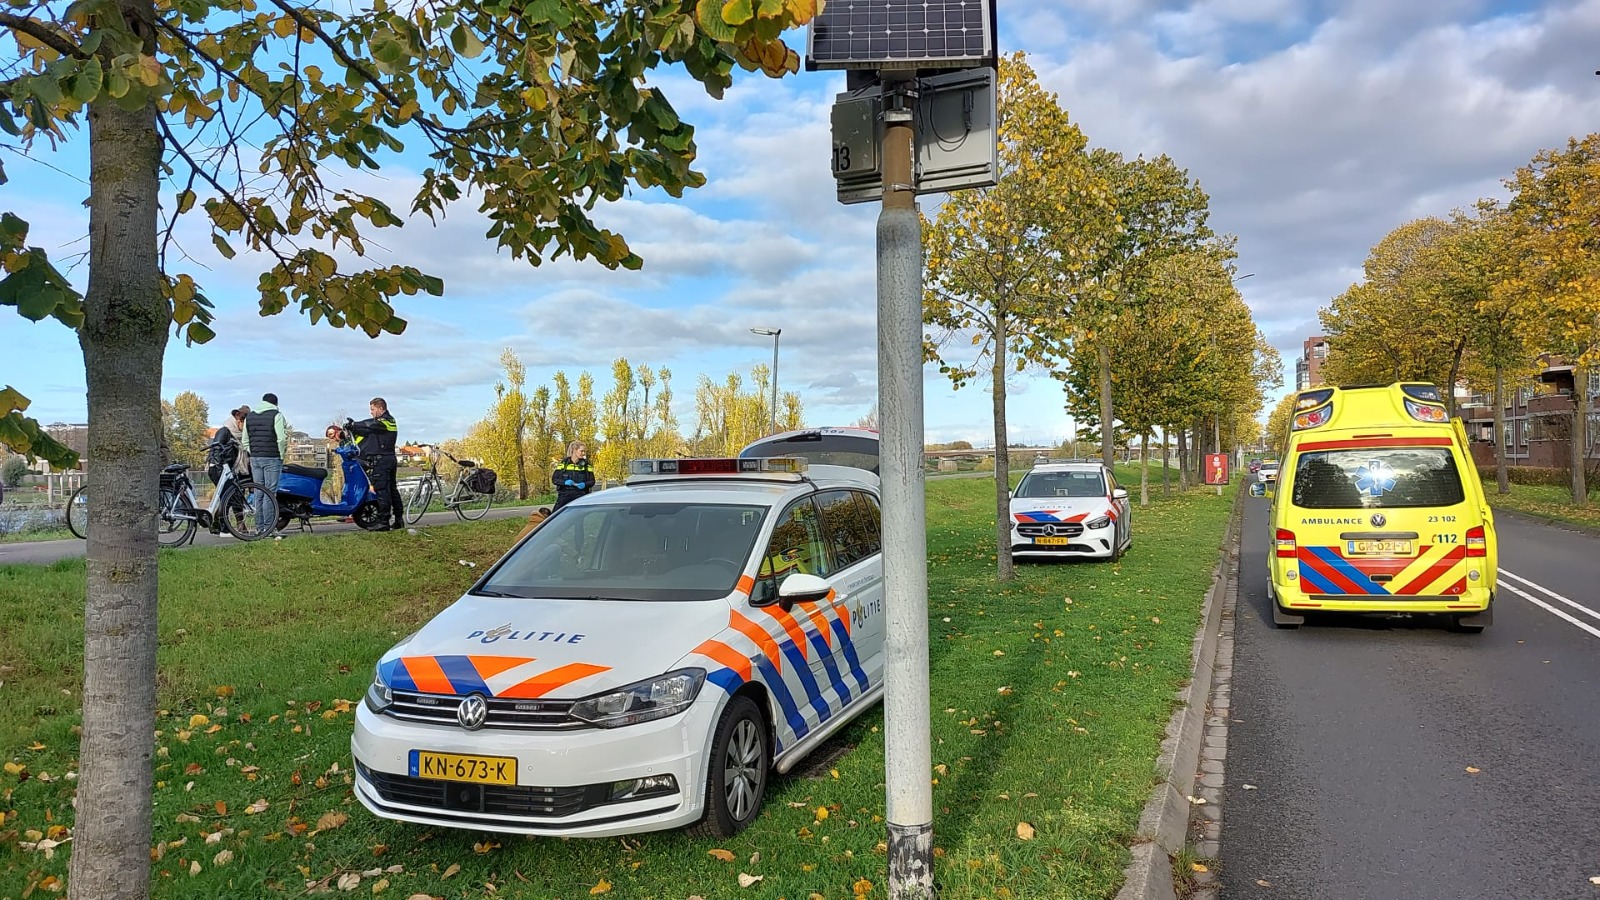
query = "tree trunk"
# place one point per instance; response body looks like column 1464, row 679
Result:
column 123, row 337
column 1144, row 469
column 1183, row 459
column 1580, row 434
column 1004, row 570
column 522, row 450
column 1502, row 478
column 1455, row 373
column 1108, row 439
column 1166, row 462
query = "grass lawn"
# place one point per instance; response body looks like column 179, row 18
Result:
column 1545, row 501
column 1050, row 695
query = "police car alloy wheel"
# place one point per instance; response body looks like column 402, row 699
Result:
column 737, row 779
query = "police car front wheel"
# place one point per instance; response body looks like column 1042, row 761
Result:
column 737, row 780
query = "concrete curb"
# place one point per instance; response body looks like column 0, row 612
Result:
column 1164, row 825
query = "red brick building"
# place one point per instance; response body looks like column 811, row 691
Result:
column 1538, row 420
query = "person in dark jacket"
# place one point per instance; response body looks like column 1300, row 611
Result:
column 377, row 437
column 572, row 476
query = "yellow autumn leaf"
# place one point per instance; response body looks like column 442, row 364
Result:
column 861, row 888
column 331, row 819
column 1025, row 831
column 1199, row 867
column 453, row 869
column 719, row 853
column 198, row 719
column 1473, row 770
column 602, row 887
column 15, row 768
column 822, row 813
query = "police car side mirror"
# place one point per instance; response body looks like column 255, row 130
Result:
column 802, row 588
column 1258, row 490
column 1119, row 494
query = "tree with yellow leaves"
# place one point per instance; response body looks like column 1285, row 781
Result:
column 1002, row 263
column 1555, row 206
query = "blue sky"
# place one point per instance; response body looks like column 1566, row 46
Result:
column 1316, row 126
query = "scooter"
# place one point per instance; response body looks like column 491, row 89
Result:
column 300, row 493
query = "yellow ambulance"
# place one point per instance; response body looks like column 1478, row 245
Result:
column 1379, row 509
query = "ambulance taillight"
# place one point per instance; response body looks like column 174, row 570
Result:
column 1285, row 545
column 1477, row 542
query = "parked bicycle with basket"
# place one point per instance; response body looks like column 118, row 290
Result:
column 238, row 505
column 470, row 496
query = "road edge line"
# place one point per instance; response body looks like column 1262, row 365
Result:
column 1163, row 829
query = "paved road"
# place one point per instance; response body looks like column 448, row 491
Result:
column 1358, row 736
column 50, row 551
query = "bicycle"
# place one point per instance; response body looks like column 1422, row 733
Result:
column 463, row 499
column 245, row 510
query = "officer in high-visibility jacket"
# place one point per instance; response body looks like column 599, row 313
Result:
column 572, row 476
column 377, row 437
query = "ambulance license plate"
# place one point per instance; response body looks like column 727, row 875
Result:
column 1052, row 541
column 1378, row 548
column 460, row 767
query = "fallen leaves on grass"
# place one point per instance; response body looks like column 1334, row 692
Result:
column 746, row 880
column 453, row 869
column 222, row 858
column 1024, row 831
column 861, row 888
column 601, row 887
column 331, row 819
column 260, row 806
column 719, row 853
column 1199, row 867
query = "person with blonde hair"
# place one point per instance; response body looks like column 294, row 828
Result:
column 573, row 476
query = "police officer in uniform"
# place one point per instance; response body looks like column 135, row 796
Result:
column 572, row 476
column 377, row 437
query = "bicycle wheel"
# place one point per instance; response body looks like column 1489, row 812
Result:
column 249, row 512
column 175, row 524
column 418, row 502
column 472, row 505
column 78, row 512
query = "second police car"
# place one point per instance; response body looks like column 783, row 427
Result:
column 644, row 660
column 1070, row 509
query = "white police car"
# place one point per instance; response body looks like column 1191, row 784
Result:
column 644, row 660
column 1070, row 509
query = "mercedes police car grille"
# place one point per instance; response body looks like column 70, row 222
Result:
column 1050, row 529
column 440, row 709
column 493, row 799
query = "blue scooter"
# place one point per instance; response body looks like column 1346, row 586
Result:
column 300, row 493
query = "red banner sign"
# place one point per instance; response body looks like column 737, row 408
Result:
column 1216, row 468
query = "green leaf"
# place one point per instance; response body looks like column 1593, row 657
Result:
column 709, row 14
column 185, row 201
column 86, row 86
column 198, row 333
column 222, row 246
column 465, row 42
column 737, row 12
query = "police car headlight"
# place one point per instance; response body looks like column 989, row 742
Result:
column 379, row 696
column 1101, row 522
column 655, row 699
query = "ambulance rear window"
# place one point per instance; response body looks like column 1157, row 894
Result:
column 1377, row 478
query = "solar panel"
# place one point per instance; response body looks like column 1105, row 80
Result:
column 903, row 34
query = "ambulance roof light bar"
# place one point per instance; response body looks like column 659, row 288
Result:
column 700, row 466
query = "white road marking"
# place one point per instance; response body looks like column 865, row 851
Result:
column 1560, row 614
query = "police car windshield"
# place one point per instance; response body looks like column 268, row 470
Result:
column 1043, row 485
column 634, row 551
column 1377, row 478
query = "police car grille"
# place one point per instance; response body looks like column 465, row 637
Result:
column 526, row 715
column 507, row 800
column 1062, row 529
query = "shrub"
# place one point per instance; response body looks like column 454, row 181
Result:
column 13, row 470
column 1545, row 475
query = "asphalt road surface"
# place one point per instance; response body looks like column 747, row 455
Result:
column 50, row 551
column 1389, row 759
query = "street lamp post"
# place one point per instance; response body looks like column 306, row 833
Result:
column 774, row 332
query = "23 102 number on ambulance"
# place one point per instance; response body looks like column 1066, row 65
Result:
column 1378, row 510
column 645, row 659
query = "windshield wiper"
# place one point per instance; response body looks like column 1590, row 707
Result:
column 485, row 592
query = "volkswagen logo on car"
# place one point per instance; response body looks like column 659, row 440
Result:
column 1379, row 520
column 472, row 712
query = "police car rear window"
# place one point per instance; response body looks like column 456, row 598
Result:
column 635, row 551
column 1377, row 478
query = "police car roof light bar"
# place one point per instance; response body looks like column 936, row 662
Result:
column 791, row 465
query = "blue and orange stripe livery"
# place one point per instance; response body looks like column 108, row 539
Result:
column 461, row 675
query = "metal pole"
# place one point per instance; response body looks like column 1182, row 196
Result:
column 775, row 334
column 908, row 757
column 1216, row 436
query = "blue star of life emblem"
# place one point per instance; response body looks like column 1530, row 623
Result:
column 1375, row 478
